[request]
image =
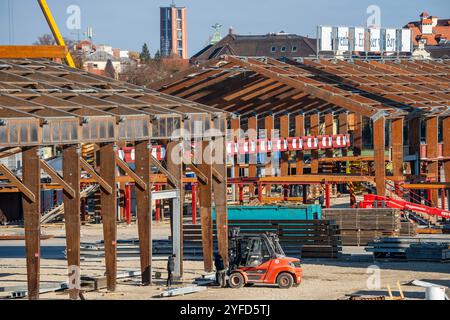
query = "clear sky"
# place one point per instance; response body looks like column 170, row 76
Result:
column 127, row 24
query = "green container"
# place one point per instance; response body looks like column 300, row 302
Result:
column 310, row 212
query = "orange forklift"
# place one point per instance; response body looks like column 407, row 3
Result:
column 259, row 259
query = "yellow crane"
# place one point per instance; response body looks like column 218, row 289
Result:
column 55, row 30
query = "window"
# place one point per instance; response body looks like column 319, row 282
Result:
column 283, row 49
column 273, row 49
column 294, row 49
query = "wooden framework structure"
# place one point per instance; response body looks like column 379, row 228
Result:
column 310, row 96
column 43, row 103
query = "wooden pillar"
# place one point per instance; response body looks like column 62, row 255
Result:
column 31, row 178
column 329, row 131
column 71, row 174
column 446, row 152
column 314, row 122
column 343, row 128
column 357, row 135
column 252, row 136
column 379, row 155
column 414, row 144
column 433, row 153
column 205, row 201
column 220, row 200
column 108, row 209
column 397, row 146
column 269, row 127
column 176, row 169
column 284, row 133
column 235, row 124
column 299, row 132
column 144, row 209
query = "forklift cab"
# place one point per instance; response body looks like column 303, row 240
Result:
column 260, row 259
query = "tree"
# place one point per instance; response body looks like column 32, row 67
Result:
column 110, row 71
column 145, row 54
column 49, row 40
column 157, row 55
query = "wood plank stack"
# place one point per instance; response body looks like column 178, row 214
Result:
column 298, row 238
column 408, row 229
column 361, row 226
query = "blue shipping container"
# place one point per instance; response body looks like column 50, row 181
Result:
column 310, row 212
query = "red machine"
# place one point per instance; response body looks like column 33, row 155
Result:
column 374, row 201
column 260, row 259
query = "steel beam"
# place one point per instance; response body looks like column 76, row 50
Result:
column 71, row 174
column 144, row 209
column 31, row 173
column 108, row 209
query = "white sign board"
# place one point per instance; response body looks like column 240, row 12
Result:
column 326, row 36
column 390, row 40
column 405, row 44
column 359, row 39
column 342, row 39
column 374, row 40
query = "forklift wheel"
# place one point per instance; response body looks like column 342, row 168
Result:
column 236, row 280
column 285, row 281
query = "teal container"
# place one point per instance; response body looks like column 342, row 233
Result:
column 310, row 212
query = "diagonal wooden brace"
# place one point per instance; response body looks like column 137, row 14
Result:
column 172, row 179
column 139, row 182
column 203, row 179
column 87, row 167
column 55, row 176
column 217, row 176
column 17, row 183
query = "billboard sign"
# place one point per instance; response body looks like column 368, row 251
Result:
column 343, row 39
column 390, row 40
column 326, row 38
column 405, row 40
column 374, row 40
column 358, row 35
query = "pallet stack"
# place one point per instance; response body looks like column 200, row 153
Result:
column 298, row 238
column 361, row 226
column 408, row 229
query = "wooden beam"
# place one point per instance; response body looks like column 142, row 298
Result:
column 299, row 132
column 314, row 122
column 144, row 210
column 72, row 173
column 235, row 124
column 432, row 153
column 58, row 179
column 329, row 124
column 31, row 173
column 198, row 172
column 217, row 175
column 343, row 128
column 33, row 52
column 176, row 182
column 357, row 135
column 269, row 127
column 397, row 146
column 108, row 210
column 139, row 181
column 414, row 144
column 205, row 204
column 220, row 200
column 316, row 178
column 103, row 183
column 252, row 136
column 284, row 133
column 446, row 148
column 379, row 151
column 27, row 192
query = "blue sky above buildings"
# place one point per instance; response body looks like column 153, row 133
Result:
column 128, row 24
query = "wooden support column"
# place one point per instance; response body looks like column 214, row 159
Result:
column 299, row 132
column 269, row 126
column 379, row 157
column 357, row 135
column 31, row 178
column 108, row 209
column 314, row 122
column 329, row 131
column 220, row 200
column 397, row 146
column 433, row 153
column 252, row 136
column 343, row 128
column 446, row 153
column 71, row 174
column 205, row 201
column 235, row 124
column 414, row 144
column 175, row 167
column 144, row 209
column 284, row 133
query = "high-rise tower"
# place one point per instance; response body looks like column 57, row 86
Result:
column 173, row 32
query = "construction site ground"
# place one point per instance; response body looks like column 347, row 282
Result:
column 323, row 278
